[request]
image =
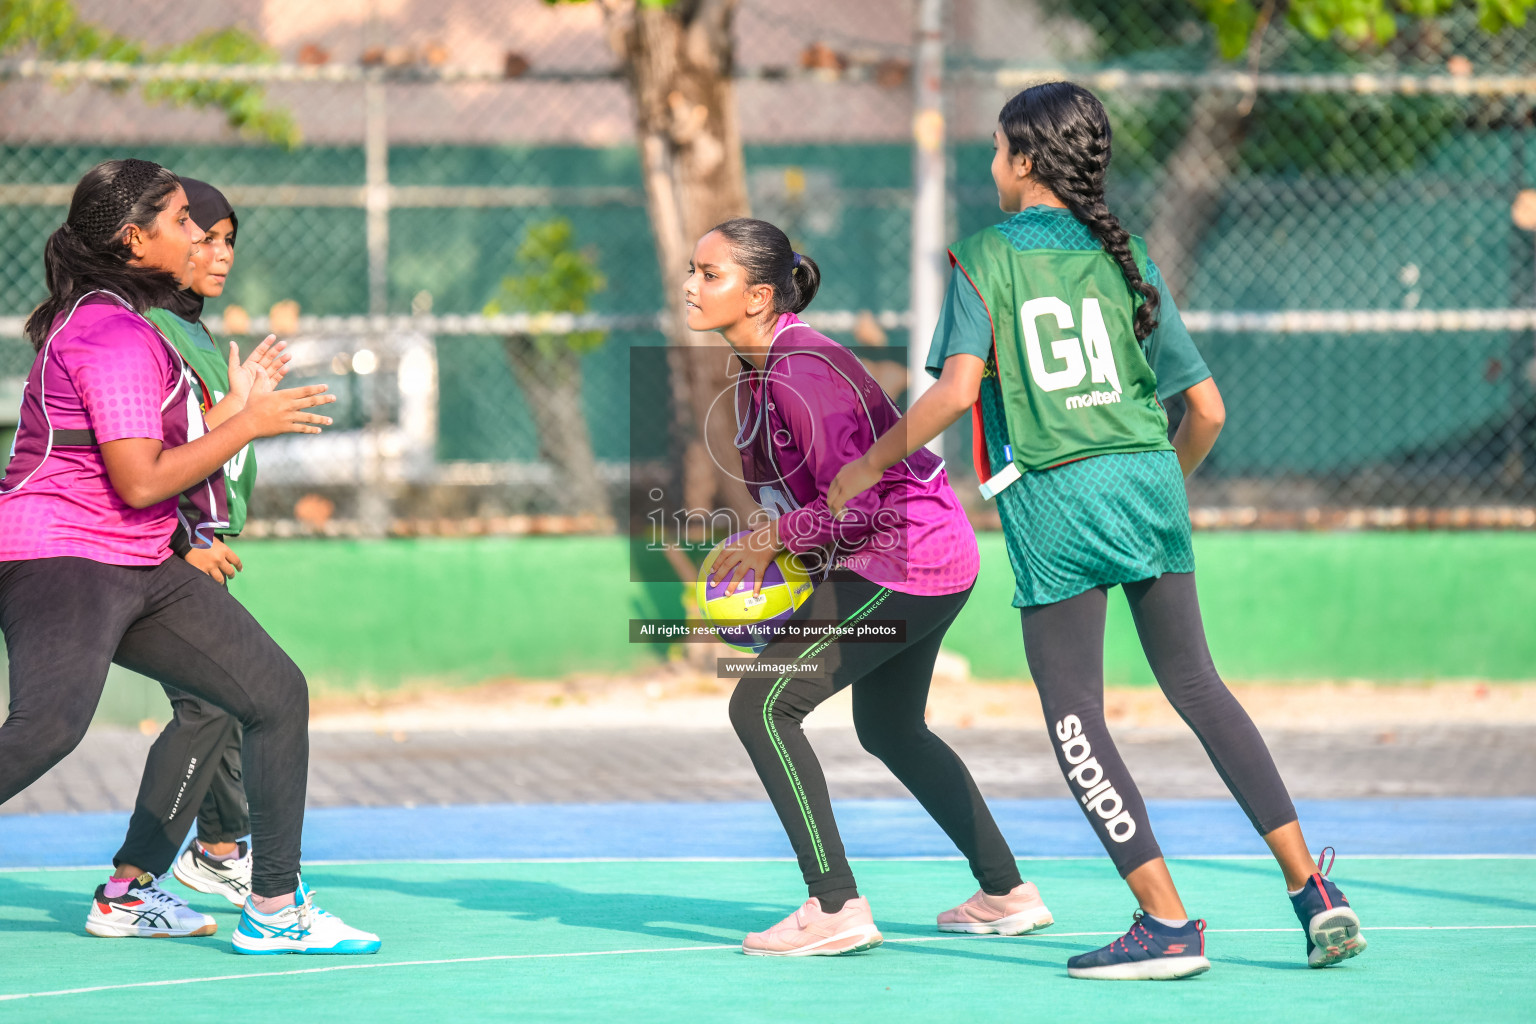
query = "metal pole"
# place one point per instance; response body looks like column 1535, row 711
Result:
column 376, row 193
column 373, row 502
column 928, row 196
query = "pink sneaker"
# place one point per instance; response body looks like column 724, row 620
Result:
column 1014, row 914
column 810, row 931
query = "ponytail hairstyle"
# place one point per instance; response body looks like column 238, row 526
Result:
column 87, row 252
column 766, row 255
column 1064, row 130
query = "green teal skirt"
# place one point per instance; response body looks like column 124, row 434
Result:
column 1095, row 522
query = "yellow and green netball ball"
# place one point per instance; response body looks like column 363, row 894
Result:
column 748, row 621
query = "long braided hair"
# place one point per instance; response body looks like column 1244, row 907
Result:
column 1063, row 128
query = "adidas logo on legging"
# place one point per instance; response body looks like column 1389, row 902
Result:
column 1098, row 793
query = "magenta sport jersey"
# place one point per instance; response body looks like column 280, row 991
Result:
column 104, row 374
column 812, row 409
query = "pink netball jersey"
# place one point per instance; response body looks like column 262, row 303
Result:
column 104, row 374
column 810, row 411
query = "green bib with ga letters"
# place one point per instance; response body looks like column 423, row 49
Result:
column 1074, row 380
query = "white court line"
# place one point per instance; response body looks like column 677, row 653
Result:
column 671, row 949
column 791, row 860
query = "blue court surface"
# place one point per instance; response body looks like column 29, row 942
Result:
column 870, row 828
column 634, row 913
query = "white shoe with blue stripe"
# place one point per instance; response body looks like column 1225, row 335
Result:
column 299, row 928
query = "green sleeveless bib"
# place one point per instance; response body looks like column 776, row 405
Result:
column 213, row 367
column 1074, row 380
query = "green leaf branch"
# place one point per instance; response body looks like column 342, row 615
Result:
column 554, row 276
column 54, row 30
column 1357, row 21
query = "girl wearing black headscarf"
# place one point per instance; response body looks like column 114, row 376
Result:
column 194, row 766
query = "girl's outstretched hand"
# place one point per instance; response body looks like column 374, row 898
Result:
column 851, row 481
column 271, row 356
column 267, row 358
column 751, row 553
column 274, row 412
column 241, row 377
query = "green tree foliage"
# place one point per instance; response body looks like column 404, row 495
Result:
column 1294, row 132
column 54, row 30
column 552, row 276
column 1357, row 21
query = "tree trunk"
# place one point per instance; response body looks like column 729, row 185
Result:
column 1196, row 174
column 679, row 60
column 551, row 383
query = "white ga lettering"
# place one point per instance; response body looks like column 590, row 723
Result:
column 1101, row 358
column 1098, row 793
column 236, row 465
column 1069, row 350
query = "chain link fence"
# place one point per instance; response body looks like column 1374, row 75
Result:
column 453, row 162
column 1345, row 226
column 455, row 239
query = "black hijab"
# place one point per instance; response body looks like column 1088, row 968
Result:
column 207, row 207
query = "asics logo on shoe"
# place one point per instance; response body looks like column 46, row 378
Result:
column 139, row 911
column 263, row 930
column 1097, row 792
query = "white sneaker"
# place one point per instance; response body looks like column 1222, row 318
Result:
column 228, row 878
column 299, row 928
column 145, row 911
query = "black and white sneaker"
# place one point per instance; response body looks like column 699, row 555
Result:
column 145, row 911
column 228, row 878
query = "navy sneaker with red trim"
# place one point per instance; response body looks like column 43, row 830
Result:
column 1332, row 926
column 1150, row 951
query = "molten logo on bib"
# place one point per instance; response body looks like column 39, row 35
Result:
column 1097, row 792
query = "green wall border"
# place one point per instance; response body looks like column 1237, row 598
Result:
column 1279, row 607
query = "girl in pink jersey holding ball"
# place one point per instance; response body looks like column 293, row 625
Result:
column 905, row 556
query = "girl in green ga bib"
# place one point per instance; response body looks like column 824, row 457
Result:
column 182, row 324
column 1061, row 338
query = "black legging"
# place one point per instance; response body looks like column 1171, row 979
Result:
column 1064, row 643
column 890, row 694
column 66, row 619
column 192, row 768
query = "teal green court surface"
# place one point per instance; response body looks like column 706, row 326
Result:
column 641, row 941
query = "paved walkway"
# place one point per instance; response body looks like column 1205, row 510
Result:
column 608, row 765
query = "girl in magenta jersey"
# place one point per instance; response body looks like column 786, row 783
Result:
column 111, row 434
column 905, row 555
